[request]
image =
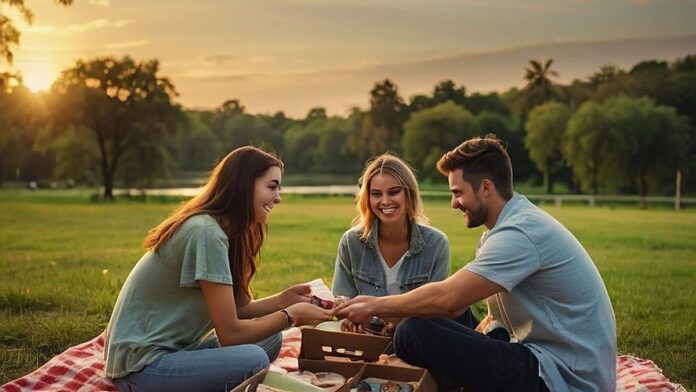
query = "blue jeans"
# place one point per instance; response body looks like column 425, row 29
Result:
column 461, row 358
column 207, row 367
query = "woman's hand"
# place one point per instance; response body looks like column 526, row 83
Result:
column 294, row 294
column 307, row 314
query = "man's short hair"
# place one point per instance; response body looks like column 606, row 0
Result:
column 479, row 159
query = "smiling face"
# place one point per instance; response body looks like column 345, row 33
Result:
column 466, row 199
column 266, row 194
column 387, row 198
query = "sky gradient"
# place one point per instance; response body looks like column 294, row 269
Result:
column 292, row 55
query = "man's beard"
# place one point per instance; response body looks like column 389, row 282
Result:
column 477, row 217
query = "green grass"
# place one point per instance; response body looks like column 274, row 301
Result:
column 63, row 260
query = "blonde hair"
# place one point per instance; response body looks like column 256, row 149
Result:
column 403, row 173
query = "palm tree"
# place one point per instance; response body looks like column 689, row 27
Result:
column 539, row 88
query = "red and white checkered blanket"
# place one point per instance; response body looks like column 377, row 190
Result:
column 81, row 368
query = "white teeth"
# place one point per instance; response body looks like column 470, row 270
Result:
column 388, row 211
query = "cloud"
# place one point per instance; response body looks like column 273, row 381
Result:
column 212, row 77
column 72, row 29
column 222, row 58
column 101, row 3
column 127, row 44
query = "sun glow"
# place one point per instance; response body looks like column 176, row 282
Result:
column 38, row 75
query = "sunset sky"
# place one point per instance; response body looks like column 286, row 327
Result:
column 292, row 55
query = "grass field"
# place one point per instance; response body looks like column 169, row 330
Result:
column 63, row 260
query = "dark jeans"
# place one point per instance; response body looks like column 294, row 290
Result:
column 459, row 357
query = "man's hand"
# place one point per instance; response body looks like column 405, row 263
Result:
column 358, row 310
column 294, row 294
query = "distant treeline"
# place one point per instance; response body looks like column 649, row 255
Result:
column 113, row 121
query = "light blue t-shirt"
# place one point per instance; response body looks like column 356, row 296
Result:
column 161, row 308
column 556, row 303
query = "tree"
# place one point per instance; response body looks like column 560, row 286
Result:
column 315, row 114
column 607, row 74
column 381, row 129
column 626, row 140
column 539, row 87
column 588, row 146
column 196, row 147
column 9, row 35
column 119, row 104
column 546, row 127
column 447, row 90
column 18, row 120
column 431, row 132
column 478, row 103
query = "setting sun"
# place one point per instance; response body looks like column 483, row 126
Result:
column 38, row 75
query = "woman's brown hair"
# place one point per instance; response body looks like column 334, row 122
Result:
column 228, row 197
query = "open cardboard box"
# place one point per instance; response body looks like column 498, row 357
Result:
column 348, row 354
column 326, row 347
column 346, row 346
column 346, row 369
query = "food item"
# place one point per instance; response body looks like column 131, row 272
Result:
column 379, row 385
column 327, row 303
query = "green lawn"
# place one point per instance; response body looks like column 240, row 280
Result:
column 63, row 260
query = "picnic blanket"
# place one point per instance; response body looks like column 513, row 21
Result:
column 81, row 369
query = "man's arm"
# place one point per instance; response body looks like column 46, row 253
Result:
column 448, row 298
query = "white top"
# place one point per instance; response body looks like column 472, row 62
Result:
column 390, row 274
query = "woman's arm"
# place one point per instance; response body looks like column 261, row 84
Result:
column 249, row 308
column 231, row 330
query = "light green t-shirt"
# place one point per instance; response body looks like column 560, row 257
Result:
column 161, row 308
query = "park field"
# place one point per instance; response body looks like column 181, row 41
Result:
column 63, row 261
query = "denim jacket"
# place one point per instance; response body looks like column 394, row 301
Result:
column 358, row 270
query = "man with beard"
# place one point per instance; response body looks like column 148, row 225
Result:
column 538, row 282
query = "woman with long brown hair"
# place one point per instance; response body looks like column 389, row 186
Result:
column 185, row 318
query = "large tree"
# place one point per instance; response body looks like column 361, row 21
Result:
column 431, row 132
column 120, row 104
column 546, row 127
column 588, row 147
column 627, row 141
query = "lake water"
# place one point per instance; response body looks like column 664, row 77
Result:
column 302, row 190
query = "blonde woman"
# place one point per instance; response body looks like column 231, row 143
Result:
column 390, row 249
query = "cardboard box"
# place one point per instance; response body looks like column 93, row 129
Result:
column 350, row 355
column 250, row 384
column 423, row 378
column 346, row 369
column 348, row 346
column 322, row 348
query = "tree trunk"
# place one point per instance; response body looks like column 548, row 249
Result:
column 108, row 186
column 642, row 190
column 548, row 180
